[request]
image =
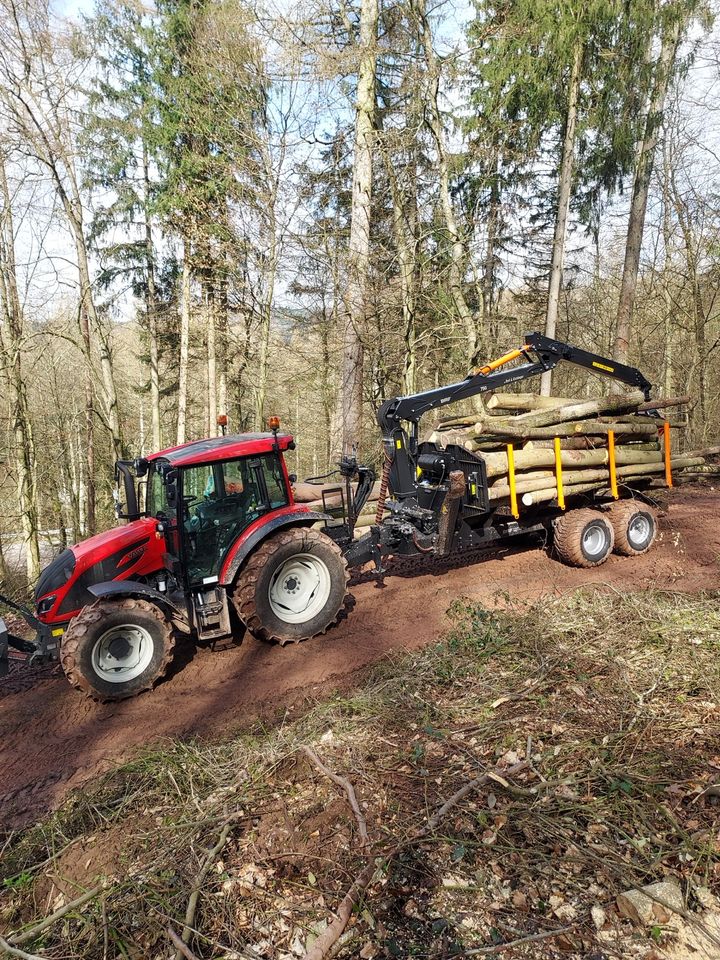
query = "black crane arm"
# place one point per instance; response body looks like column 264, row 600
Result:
column 547, row 354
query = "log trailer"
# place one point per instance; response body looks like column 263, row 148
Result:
column 220, row 538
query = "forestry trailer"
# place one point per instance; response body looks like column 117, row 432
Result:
column 219, row 537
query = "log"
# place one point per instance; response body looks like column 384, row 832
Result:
column 526, row 401
column 496, row 464
column 525, row 475
column 312, row 492
column 627, row 473
column 464, row 421
column 500, row 491
column 707, row 452
column 582, row 427
column 578, row 411
column 449, row 512
column 590, row 443
column 666, row 402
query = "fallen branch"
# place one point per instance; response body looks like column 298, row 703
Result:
column 182, row 948
column 521, row 941
column 322, row 947
column 25, row 936
column 199, row 879
column 347, row 787
column 11, row 951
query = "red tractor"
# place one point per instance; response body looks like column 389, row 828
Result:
column 220, row 536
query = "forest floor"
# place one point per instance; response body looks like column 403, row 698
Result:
column 53, row 740
column 587, row 704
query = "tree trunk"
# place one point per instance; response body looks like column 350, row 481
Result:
column 222, row 332
column 24, row 447
column 211, row 360
column 488, row 280
column 641, row 186
column 351, row 385
column 184, row 344
column 457, row 247
column 151, row 315
column 271, row 263
column 563, row 207
column 405, row 233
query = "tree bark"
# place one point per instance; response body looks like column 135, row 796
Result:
column 151, row 314
column 184, row 344
column 21, row 425
column 641, row 186
column 456, row 244
column 211, row 360
column 354, row 313
column 405, row 232
column 563, row 208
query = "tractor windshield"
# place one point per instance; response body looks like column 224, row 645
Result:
column 220, row 501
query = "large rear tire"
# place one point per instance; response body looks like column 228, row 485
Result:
column 635, row 526
column 583, row 538
column 115, row 649
column 293, row 587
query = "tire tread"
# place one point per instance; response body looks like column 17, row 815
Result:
column 93, row 614
column 245, row 592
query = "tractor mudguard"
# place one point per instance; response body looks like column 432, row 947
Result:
column 304, row 518
column 134, row 588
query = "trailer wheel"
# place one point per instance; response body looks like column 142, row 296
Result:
column 635, row 526
column 293, row 587
column 114, row 649
column 583, row 538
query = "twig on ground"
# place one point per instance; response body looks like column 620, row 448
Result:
column 325, row 943
column 32, row 932
column 182, row 948
column 9, row 951
column 521, row 941
column 347, row 787
column 197, row 885
column 493, row 776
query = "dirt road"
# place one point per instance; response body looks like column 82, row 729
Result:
column 52, row 739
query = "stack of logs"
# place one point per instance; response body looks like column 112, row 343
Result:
column 531, row 423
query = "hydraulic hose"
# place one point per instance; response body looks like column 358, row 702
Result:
column 382, row 496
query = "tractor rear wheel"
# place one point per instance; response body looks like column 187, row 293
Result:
column 635, row 526
column 583, row 538
column 114, row 649
column 293, row 587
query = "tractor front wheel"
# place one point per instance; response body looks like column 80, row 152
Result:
column 114, row 649
column 293, row 587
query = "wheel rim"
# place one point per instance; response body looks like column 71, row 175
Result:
column 639, row 530
column 300, row 588
column 122, row 653
column 594, row 540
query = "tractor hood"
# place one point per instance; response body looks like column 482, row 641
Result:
column 131, row 551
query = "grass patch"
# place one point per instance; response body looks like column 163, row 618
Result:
column 611, row 699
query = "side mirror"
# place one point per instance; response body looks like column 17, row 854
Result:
column 170, row 481
column 292, row 477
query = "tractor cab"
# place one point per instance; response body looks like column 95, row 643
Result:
column 204, row 507
column 203, row 496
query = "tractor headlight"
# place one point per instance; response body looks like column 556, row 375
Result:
column 46, row 603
